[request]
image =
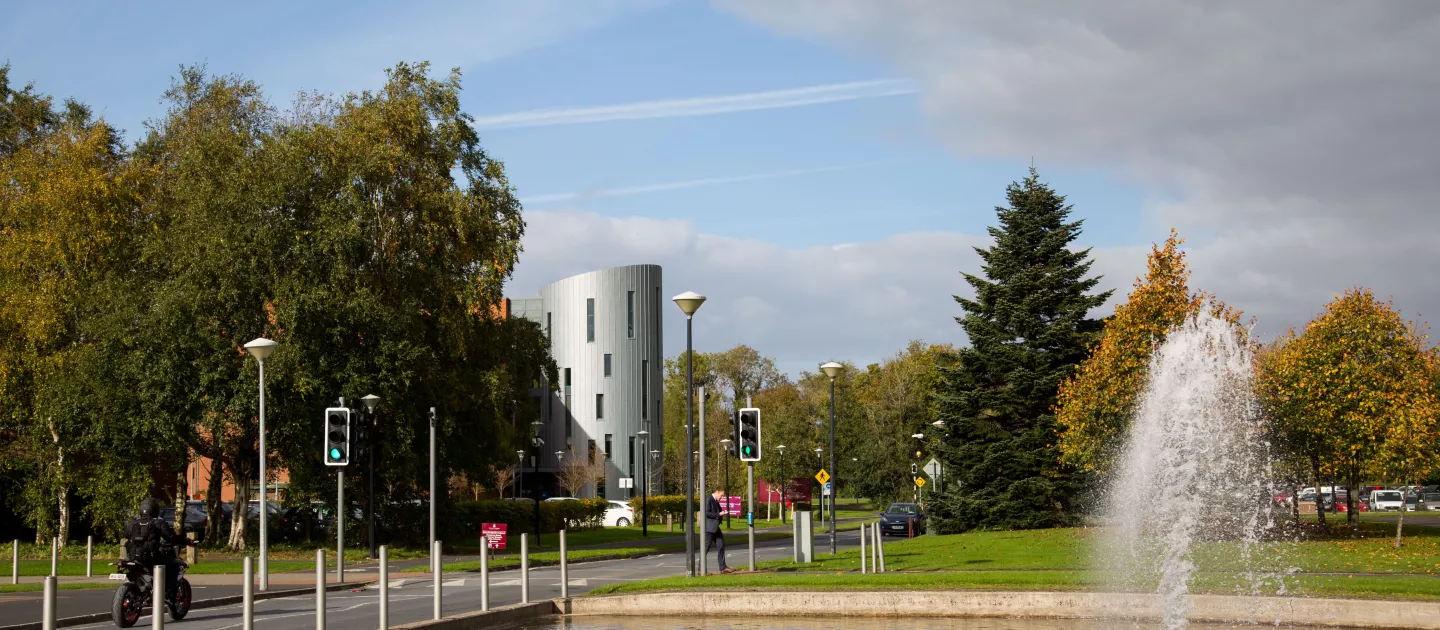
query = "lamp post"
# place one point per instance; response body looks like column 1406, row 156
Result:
column 370, row 401
column 261, row 348
column 784, row 483
column 535, row 480
column 919, row 439
column 519, row 468
column 644, row 484
column 689, row 302
column 726, row 443
column 820, row 463
column 832, row 370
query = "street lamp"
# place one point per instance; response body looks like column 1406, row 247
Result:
column 726, row 443
column 535, row 466
column 370, row 400
column 261, row 348
column 644, row 484
column 832, row 370
column 784, row 483
column 519, row 468
column 689, row 302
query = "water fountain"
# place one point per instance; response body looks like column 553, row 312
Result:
column 1194, row 468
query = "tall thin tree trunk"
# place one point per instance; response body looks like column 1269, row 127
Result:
column 1352, row 502
column 240, row 516
column 64, row 530
column 1295, row 502
column 1319, row 496
column 214, row 513
column 1400, row 523
column 62, row 493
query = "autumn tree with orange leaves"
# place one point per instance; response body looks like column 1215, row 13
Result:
column 1356, row 393
column 1095, row 406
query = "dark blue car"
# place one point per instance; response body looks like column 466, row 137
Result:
column 902, row 519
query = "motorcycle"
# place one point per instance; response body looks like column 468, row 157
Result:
column 132, row 596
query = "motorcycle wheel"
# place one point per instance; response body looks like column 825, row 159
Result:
column 180, row 606
column 125, row 608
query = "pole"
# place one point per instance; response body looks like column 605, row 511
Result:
column 862, row 549
column 485, row 575
column 784, row 488
column 247, row 595
column 320, row 589
column 432, row 478
column 340, row 526
column 564, row 569
column 727, row 489
column 15, row 562
column 535, row 489
column 880, row 546
column 689, row 447
column 370, row 482
column 834, row 482
column 437, row 586
column 524, row 569
column 384, row 587
column 157, row 598
column 750, row 510
column 54, row 555
column 701, row 488
column 89, row 553
column 47, row 614
column 264, row 493
column 644, row 486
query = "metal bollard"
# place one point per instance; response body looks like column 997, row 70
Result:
column 485, row 575
column 524, row 568
column 874, row 544
column 47, row 613
column 157, row 599
column 89, row 553
column 437, row 550
column 15, row 563
column 247, row 596
column 54, row 555
column 564, row 569
column 863, row 531
column 794, row 538
column 319, row 589
column 384, row 587
column 880, row 546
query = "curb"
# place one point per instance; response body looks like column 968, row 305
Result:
column 493, row 617
column 196, row 605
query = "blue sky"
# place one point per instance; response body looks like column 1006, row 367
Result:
column 821, row 169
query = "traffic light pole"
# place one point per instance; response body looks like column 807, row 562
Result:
column 750, row 512
column 339, row 526
column 370, row 480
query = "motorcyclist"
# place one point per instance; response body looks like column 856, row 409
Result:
column 151, row 541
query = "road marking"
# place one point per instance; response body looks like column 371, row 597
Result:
column 453, row 583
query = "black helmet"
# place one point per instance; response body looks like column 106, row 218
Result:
column 149, row 508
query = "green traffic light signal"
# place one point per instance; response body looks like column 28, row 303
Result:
column 334, row 453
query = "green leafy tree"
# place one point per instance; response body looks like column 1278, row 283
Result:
column 1029, row 327
column 897, row 399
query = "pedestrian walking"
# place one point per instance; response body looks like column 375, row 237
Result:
column 713, row 535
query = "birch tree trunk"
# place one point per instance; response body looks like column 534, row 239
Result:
column 240, row 516
column 63, row 489
column 181, row 493
column 213, row 510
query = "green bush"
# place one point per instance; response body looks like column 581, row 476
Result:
column 519, row 516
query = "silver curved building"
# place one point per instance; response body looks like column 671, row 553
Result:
column 605, row 336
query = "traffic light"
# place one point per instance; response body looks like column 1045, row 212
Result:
column 735, row 431
column 337, row 436
column 749, row 443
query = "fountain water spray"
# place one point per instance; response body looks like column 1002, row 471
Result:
column 1195, row 465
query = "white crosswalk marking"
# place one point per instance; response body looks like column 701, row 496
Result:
column 445, row 583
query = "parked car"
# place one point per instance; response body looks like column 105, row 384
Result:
column 194, row 518
column 1386, row 500
column 1430, row 501
column 902, row 519
column 562, row 499
column 1412, row 501
column 619, row 514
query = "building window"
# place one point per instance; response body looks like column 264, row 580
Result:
column 644, row 388
column 607, row 364
column 589, row 319
column 592, row 451
column 569, row 418
column 608, row 445
column 630, row 457
column 630, row 314
column 599, row 406
column 549, row 324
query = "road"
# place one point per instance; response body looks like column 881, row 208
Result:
column 410, row 594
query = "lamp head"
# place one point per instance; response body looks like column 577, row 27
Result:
column 261, row 348
column 370, row 401
column 832, row 369
column 781, row 448
column 689, row 302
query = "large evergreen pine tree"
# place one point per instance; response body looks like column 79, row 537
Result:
column 1029, row 328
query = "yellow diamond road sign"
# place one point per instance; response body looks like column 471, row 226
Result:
column 822, row 476
column 920, row 482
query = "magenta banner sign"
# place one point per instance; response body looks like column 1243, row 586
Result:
column 495, row 534
column 733, row 505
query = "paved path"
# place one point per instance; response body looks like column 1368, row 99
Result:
column 410, row 594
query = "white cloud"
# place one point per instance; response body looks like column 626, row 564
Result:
column 1299, row 136
column 702, row 106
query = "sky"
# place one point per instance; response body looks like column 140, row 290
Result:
column 822, row 169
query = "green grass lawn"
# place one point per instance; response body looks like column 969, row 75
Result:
column 510, row 558
column 1066, row 559
column 30, row 588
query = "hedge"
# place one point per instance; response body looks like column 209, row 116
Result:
column 519, row 516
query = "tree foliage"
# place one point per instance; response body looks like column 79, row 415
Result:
column 1028, row 327
column 1094, row 407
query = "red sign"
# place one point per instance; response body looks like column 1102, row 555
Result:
column 494, row 534
column 733, row 505
column 798, row 490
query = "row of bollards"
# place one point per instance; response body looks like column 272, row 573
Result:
column 871, row 548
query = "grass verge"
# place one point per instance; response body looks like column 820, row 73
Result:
column 66, row 586
column 549, row 558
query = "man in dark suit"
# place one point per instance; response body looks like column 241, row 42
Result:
column 713, row 535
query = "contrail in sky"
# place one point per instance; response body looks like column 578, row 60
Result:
column 693, row 183
column 702, row 106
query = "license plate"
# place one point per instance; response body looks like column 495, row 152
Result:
column 119, row 576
